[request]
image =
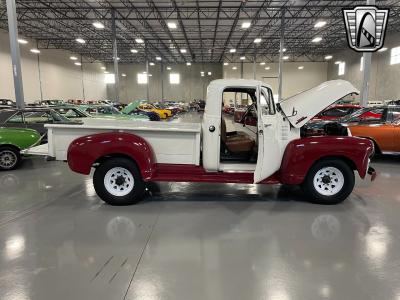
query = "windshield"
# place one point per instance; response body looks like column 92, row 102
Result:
column 108, row 110
column 58, row 118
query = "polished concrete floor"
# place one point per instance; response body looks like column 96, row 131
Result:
column 196, row 241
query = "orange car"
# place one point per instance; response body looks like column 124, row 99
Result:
column 382, row 126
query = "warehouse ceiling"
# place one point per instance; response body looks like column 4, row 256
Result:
column 206, row 30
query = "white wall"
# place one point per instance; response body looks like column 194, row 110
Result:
column 293, row 79
column 384, row 84
column 61, row 79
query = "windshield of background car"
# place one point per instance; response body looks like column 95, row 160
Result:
column 338, row 112
column 70, row 113
column 58, row 118
column 108, row 110
column 366, row 115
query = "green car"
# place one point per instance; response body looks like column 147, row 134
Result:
column 110, row 112
column 12, row 141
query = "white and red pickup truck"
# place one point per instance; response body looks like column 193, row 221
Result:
column 127, row 154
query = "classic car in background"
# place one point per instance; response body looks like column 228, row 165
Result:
column 133, row 109
column 33, row 118
column 71, row 112
column 12, row 141
column 108, row 111
column 163, row 113
column 7, row 102
column 383, row 129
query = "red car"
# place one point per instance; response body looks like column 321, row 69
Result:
column 336, row 112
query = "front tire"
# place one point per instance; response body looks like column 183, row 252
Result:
column 329, row 181
column 117, row 181
column 10, row 158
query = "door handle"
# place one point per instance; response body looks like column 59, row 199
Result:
column 267, row 125
column 260, row 132
column 211, row 128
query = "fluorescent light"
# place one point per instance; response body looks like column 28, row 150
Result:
column 103, row 68
column 284, row 50
column 183, row 50
column 300, row 67
column 168, row 68
column 150, row 75
column 328, row 57
column 73, row 58
column 225, row 63
column 234, row 68
column 80, row 41
column 78, row 63
column 22, row 41
column 106, row 72
column 382, row 49
column 134, row 51
column 209, row 73
column 139, row 41
column 174, row 78
column 246, row 24
column 316, row 39
column 202, row 73
column 267, row 68
column 151, row 64
column 158, row 58
column 34, row 50
column 320, row 24
column 257, row 40
column 123, row 75
column 188, row 63
column 285, row 57
column 98, row 25
column 171, row 25
column 232, row 50
column 242, row 57
column 262, row 63
column 337, row 62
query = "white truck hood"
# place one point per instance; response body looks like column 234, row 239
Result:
column 301, row 108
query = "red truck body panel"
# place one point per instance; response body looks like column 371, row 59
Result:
column 299, row 156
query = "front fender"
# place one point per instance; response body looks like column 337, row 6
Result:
column 302, row 153
column 85, row 151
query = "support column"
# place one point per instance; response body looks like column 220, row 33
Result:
column 367, row 57
column 162, row 81
column 241, row 69
column 83, row 80
column 15, row 54
column 115, row 56
column 40, row 74
column 281, row 46
column 254, row 62
column 148, row 80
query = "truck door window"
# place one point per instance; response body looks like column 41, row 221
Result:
column 267, row 102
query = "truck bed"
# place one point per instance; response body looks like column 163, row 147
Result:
column 172, row 143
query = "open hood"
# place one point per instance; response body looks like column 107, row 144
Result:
column 131, row 107
column 301, row 108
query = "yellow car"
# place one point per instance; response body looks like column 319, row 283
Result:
column 163, row 113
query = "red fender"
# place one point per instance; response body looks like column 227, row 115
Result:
column 85, row 151
column 302, row 153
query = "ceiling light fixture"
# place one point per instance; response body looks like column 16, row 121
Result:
column 98, row 25
column 80, row 41
column 234, row 68
column 158, row 58
column 337, row 62
column 320, row 24
column 328, row 57
column 171, row 25
column 316, row 39
column 103, row 68
column 151, row 64
column 22, row 41
column 73, row 58
column 262, row 63
column 242, row 57
column 183, row 50
column 285, row 57
column 188, row 63
column 134, row 51
column 168, row 68
column 246, row 24
column 267, row 68
column 78, row 63
column 225, row 63
column 257, row 40
column 123, row 75
column 300, row 67
column 232, row 50
column 34, row 50
column 139, row 41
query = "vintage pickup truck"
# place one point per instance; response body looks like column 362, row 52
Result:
column 127, row 154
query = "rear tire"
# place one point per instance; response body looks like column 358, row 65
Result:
column 117, row 181
column 10, row 158
column 329, row 181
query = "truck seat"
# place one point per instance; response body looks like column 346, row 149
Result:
column 236, row 142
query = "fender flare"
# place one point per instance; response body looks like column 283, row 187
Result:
column 301, row 154
column 85, row 151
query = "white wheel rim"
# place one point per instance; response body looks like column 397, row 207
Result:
column 328, row 181
column 119, row 181
column 8, row 159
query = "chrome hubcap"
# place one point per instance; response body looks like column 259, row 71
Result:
column 8, row 159
column 119, row 181
column 328, row 181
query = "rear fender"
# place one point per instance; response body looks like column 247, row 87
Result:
column 301, row 154
column 85, row 151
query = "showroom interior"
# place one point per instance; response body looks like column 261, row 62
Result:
column 190, row 149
